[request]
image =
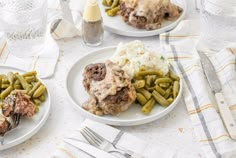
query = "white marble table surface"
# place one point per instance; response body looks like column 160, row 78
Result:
column 173, row 130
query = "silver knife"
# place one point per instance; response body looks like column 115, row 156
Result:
column 88, row 148
column 216, row 88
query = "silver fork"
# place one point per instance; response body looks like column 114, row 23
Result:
column 14, row 121
column 98, row 141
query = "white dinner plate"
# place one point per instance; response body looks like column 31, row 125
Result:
column 78, row 95
column 27, row 127
column 118, row 26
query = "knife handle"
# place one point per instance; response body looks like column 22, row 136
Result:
column 226, row 115
column 136, row 155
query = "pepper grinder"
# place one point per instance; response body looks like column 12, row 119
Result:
column 92, row 25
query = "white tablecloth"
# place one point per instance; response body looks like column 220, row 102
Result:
column 174, row 130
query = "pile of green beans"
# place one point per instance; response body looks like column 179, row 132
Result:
column 153, row 87
column 113, row 7
column 27, row 83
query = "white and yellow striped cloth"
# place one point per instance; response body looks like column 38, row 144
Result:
column 180, row 46
column 59, row 28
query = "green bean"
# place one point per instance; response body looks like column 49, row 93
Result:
column 5, row 85
column 173, row 76
column 17, row 86
column 141, row 99
column 139, row 83
column 170, row 100
column 6, row 92
column 145, row 93
column 22, row 91
column 148, row 106
column 104, row 2
column 39, row 91
column 137, row 76
column 23, row 82
column 150, row 72
column 36, row 109
column 5, row 81
column 31, row 73
column 115, row 3
column 10, row 77
column 150, row 79
column 37, row 101
column 42, row 98
column 160, row 99
column 109, row 2
column 167, row 93
column 175, row 89
column 160, row 90
column 17, row 81
column 163, row 80
column 113, row 11
column 164, row 85
column 35, row 87
column 30, row 79
column 150, row 89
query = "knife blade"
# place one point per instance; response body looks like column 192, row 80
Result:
column 216, row 88
column 88, row 148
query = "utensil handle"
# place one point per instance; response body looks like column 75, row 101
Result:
column 136, row 155
column 226, row 115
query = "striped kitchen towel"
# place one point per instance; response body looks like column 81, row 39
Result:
column 180, row 46
column 58, row 27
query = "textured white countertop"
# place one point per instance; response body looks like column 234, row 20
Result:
column 173, row 130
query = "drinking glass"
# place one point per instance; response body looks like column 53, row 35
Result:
column 24, row 24
column 218, row 24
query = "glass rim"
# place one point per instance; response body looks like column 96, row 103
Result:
column 226, row 5
column 43, row 2
column 226, row 10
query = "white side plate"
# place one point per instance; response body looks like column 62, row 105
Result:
column 118, row 26
column 78, row 95
column 27, row 127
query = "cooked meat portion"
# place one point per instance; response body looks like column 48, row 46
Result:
column 121, row 96
column 112, row 93
column 148, row 14
column 9, row 105
column 18, row 103
column 97, row 71
column 4, row 125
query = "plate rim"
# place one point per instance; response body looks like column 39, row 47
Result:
column 151, row 32
column 109, row 121
column 34, row 130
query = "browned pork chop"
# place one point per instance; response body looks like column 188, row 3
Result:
column 148, row 14
column 109, row 87
column 18, row 103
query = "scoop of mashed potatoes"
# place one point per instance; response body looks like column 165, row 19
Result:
column 131, row 56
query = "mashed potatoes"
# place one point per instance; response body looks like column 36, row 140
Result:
column 131, row 56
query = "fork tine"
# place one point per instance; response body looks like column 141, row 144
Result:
column 95, row 134
column 89, row 138
column 92, row 136
column 85, row 136
column 18, row 117
column 1, row 139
